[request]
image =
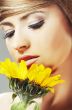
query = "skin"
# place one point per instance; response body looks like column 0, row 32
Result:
column 52, row 42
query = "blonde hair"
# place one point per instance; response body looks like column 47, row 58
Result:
column 10, row 7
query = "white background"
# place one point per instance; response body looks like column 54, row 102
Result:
column 3, row 54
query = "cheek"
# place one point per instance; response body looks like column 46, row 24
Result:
column 60, row 46
column 56, row 44
column 9, row 47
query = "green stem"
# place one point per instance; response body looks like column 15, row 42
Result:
column 19, row 106
column 22, row 105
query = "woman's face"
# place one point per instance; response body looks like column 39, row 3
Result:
column 43, row 32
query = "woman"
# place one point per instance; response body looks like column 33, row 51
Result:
column 41, row 32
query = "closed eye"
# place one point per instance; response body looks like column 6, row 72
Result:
column 36, row 25
column 9, row 34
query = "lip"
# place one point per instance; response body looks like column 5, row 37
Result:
column 29, row 65
column 30, row 59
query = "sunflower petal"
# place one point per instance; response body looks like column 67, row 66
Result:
column 22, row 71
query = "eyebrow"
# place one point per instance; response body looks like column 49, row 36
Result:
column 6, row 23
column 33, row 12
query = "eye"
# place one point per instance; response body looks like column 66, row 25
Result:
column 9, row 34
column 36, row 25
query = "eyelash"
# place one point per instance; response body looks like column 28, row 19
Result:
column 9, row 34
column 36, row 25
column 33, row 26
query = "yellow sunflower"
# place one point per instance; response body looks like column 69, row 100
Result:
column 37, row 74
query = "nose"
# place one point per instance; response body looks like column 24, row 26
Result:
column 21, row 40
column 21, row 49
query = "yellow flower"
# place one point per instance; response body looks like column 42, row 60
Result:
column 13, row 70
column 37, row 73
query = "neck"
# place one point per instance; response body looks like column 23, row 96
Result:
column 66, row 74
column 62, row 99
column 63, row 93
column 66, row 69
